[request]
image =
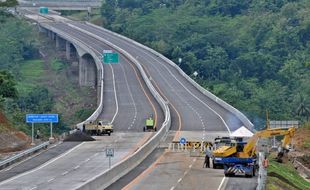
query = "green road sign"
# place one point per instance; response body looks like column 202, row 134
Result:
column 110, row 58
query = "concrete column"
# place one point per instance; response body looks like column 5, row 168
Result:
column 60, row 43
column 87, row 72
column 68, row 50
column 99, row 79
column 49, row 34
column 57, row 41
column 53, row 36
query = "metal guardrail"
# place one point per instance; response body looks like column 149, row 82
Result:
column 27, row 152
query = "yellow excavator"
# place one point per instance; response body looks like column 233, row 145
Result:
column 241, row 156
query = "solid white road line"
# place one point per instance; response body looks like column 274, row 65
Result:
column 221, row 183
column 42, row 166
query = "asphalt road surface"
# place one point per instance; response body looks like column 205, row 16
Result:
column 73, row 168
column 134, row 101
column 197, row 111
column 36, row 160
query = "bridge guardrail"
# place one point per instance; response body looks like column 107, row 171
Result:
column 224, row 104
column 22, row 154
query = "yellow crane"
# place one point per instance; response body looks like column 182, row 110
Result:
column 249, row 149
column 242, row 155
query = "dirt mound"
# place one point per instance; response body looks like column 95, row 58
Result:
column 79, row 136
column 11, row 139
column 300, row 137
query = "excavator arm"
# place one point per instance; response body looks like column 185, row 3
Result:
column 288, row 135
column 249, row 149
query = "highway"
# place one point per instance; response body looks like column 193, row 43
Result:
column 73, row 168
column 125, row 92
column 127, row 102
column 195, row 110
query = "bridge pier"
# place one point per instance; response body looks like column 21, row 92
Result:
column 87, row 71
column 60, row 43
column 68, row 50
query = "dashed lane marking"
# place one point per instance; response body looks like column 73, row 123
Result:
column 50, row 180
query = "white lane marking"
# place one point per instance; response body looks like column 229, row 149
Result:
column 8, row 169
column 50, row 180
column 179, row 180
column 190, row 166
column 131, row 97
column 76, row 167
column 87, row 159
column 143, row 51
column 115, row 96
column 172, row 188
column 221, row 183
column 35, row 187
column 65, row 173
column 42, row 166
column 185, row 173
column 191, row 92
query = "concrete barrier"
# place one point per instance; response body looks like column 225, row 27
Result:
column 110, row 176
column 225, row 105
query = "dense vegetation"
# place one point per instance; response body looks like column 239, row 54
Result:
column 18, row 44
column 253, row 54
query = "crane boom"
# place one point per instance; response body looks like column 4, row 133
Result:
column 249, row 148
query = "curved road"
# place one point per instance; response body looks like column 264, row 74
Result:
column 196, row 111
column 127, row 102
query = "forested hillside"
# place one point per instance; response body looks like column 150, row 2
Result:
column 253, row 54
column 30, row 83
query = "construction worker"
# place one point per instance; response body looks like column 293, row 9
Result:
column 207, row 162
column 265, row 162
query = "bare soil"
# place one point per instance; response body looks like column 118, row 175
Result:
column 11, row 139
column 301, row 153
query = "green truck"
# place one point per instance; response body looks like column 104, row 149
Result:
column 149, row 124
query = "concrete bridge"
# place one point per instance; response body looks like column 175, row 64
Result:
column 62, row 5
column 89, row 70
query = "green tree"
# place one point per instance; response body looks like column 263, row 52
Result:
column 7, row 85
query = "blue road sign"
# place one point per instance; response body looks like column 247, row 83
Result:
column 42, row 118
column 182, row 140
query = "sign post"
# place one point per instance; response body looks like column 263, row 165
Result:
column 42, row 118
column 109, row 153
column 32, row 136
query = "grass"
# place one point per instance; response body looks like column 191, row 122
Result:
column 57, row 65
column 284, row 176
column 30, row 73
